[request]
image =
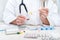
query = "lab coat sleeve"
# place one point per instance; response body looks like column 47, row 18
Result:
column 53, row 15
column 9, row 14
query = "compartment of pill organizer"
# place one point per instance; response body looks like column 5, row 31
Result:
column 31, row 34
column 46, row 28
column 11, row 31
column 32, row 27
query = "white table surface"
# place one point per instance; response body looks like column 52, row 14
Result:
column 3, row 36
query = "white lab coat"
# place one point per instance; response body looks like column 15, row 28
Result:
column 12, row 11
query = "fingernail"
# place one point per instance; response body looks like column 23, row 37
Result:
column 27, row 19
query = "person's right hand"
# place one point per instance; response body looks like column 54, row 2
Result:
column 20, row 20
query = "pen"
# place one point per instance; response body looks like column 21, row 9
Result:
column 15, row 33
column 43, row 3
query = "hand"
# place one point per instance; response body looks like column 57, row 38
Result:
column 43, row 12
column 19, row 20
column 43, row 16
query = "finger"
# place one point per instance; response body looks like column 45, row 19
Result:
column 45, row 9
column 43, row 12
column 23, row 17
column 43, row 16
column 20, row 21
column 19, row 24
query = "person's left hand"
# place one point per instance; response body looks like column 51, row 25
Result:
column 44, row 12
column 43, row 15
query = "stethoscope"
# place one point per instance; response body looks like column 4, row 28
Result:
column 22, row 4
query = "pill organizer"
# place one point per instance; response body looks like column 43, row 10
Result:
column 46, row 28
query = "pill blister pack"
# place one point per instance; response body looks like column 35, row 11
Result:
column 46, row 37
column 41, row 37
column 31, row 36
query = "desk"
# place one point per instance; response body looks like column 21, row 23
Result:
column 3, row 36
